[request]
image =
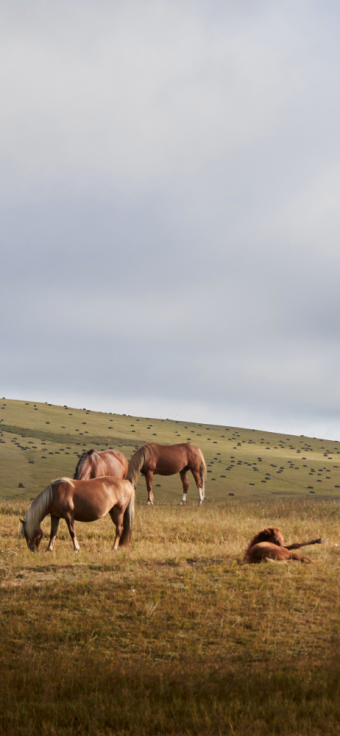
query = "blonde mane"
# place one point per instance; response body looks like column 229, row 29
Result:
column 61, row 480
column 136, row 463
column 36, row 512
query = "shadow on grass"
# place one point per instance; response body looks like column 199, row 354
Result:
column 88, row 696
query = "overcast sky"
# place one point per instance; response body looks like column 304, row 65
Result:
column 170, row 220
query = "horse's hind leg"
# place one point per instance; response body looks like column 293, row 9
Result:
column 117, row 516
column 70, row 523
column 197, row 476
column 185, row 484
column 299, row 558
column 54, row 528
column 149, row 479
column 298, row 545
column 270, row 559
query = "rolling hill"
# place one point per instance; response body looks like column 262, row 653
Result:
column 40, row 441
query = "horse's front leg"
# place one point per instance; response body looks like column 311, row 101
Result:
column 149, row 479
column 295, row 556
column 198, row 482
column 54, row 528
column 70, row 523
column 185, row 484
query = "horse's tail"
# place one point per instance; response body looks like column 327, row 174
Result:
column 80, row 464
column 128, row 521
column 136, row 463
column 203, row 474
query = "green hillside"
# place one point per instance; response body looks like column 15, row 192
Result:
column 39, row 442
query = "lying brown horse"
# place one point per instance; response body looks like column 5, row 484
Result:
column 81, row 500
column 93, row 464
column 268, row 545
column 168, row 460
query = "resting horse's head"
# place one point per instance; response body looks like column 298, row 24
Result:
column 33, row 540
column 271, row 534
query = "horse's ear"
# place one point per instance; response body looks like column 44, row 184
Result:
column 22, row 521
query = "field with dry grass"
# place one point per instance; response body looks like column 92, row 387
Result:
column 176, row 635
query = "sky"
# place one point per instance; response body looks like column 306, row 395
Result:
column 169, row 208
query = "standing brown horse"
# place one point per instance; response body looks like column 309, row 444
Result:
column 268, row 545
column 81, row 500
column 93, row 464
column 168, row 460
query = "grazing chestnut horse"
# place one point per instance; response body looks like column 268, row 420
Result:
column 81, row 500
column 168, row 460
column 268, row 545
column 93, row 464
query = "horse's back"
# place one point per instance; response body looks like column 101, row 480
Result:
column 89, row 500
column 170, row 459
column 264, row 550
column 103, row 463
column 114, row 463
column 103, row 486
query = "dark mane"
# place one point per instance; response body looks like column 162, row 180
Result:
column 272, row 534
column 81, row 463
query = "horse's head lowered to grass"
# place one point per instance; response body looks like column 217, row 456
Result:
column 34, row 538
column 30, row 525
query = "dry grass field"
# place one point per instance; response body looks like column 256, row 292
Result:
column 176, row 635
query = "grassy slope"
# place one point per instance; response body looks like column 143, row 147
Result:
column 39, row 442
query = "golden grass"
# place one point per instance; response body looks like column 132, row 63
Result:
column 177, row 635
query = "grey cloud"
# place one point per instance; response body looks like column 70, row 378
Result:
column 169, row 207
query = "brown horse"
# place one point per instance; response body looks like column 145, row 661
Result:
column 268, row 545
column 93, row 464
column 81, row 500
column 168, row 460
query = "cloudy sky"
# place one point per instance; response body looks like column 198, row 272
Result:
column 170, row 221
